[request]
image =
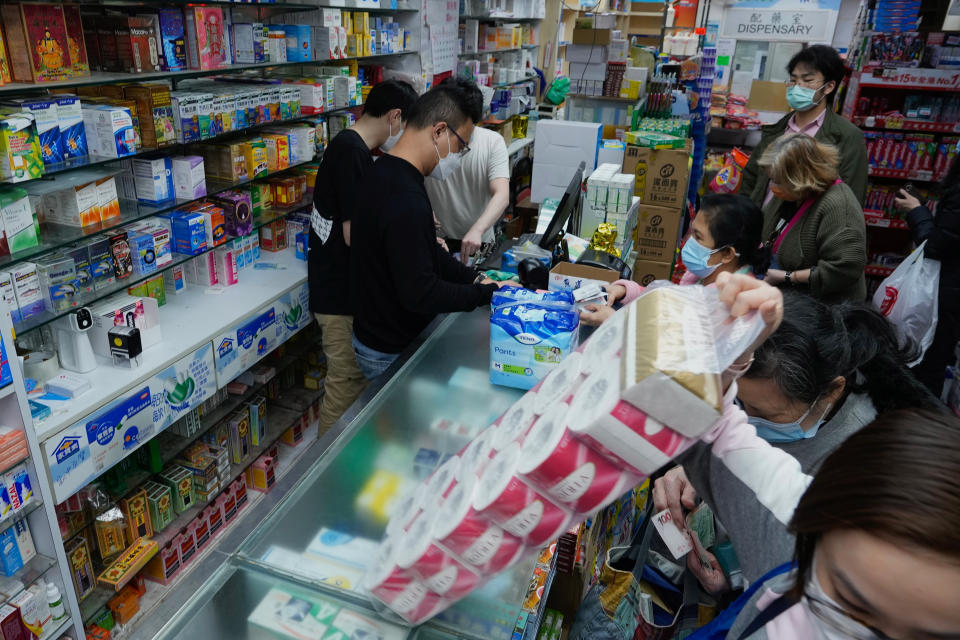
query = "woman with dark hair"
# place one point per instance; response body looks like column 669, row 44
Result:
column 724, row 238
column 942, row 234
column 878, row 546
column 823, row 375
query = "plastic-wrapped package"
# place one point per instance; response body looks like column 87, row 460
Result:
column 624, row 404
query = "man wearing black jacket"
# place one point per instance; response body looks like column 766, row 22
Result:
column 400, row 276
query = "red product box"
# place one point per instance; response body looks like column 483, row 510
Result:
column 164, row 566
column 239, row 491
column 214, row 519
column 199, row 528
column 143, row 45
column 186, row 546
column 227, row 504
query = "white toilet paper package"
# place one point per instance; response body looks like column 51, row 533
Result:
column 631, row 398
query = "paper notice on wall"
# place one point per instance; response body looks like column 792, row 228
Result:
column 443, row 47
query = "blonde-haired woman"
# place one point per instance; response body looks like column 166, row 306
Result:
column 814, row 225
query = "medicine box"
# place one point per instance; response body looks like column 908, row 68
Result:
column 174, row 281
column 165, row 565
column 227, row 504
column 237, row 210
column 82, row 268
column 186, row 122
column 110, row 131
column 20, row 225
column 75, row 206
column 258, row 421
column 189, row 232
column 202, row 270
column 277, row 151
column 155, row 113
column 21, row 531
column 273, row 236
column 228, row 273
column 180, row 482
column 215, row 224
column 108, row 200
column 142, row 252
column 19, row 487
column 10, row 560
column 186, row 546
column 80, row 566
column 255, row 152
column 172, row 39
column 137, row 514
column 57, row 275
column 20, row 154
column 159, row 228
column 153, row 179
column 261, row 475
column 214, row 518
column 26, row 286
column 101, row 263
column 239, row 434
column 160, row 504
column 189, row 181
column 47, row 123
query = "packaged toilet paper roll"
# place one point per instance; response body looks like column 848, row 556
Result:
column 559, row 383
column 395, row 587
column 405, row 510
column 602, row 350
column 439, row 570
column 567, row 469
column 477, row 455
column 441, row 481
column 479, row 542
column 515, row 422
column 521, row 510
column 619, row 430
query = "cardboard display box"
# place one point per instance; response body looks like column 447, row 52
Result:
column 661, row 174
column 559, row 147
column 646, row 271
column 591, row 36
column 657, row 233
column 567, row 276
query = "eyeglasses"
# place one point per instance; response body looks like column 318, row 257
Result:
column 464, row 147
column 803, row 83
column 843, row 621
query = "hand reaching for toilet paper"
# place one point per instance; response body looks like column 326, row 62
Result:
column 743, row 294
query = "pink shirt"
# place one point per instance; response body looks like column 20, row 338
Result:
column 810, row 129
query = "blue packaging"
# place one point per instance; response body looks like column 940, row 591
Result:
column 301, row 246
column 48, row 127
column 142, row 252
column 9, row 552
column 506, row 295
column 189, row 234
column 529, row 339
column 173, row 39
column 5, row 376
column 509, row 261
column 298, row 42
column 73, row 135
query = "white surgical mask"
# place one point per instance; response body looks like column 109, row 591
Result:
column 828, row 620
column 448, row 165
column 391, row 139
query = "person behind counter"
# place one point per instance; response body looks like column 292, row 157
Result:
column 815, row 226
column 815, row 75
column 470, row 202
column 724, row 238
column 344, row 162
column 400, row 277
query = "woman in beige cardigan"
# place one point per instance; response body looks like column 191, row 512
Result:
column 814, row 225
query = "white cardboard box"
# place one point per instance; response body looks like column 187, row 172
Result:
column 559, row 147
column 592, row 71
column 585, row 53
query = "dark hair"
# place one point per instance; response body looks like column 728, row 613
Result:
column 736, row 221
column 472, row 93
column 896, row 479
column 824, row 59
column 451, row 102
column 815, row 343
column 952, row 178
column 388, row 95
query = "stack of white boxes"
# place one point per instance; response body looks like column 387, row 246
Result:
column 610, row 199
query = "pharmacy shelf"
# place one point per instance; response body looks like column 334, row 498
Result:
column 904, row 174
column 503, row 85
column 881, row 220
column 489, row 18
column 190, row 320
column 29, row 573
column 265, row 217
column 364, row 9
column 878, row 270
column 361, row 59
column 55, row 236
column 58, row 630
column 8, row 390
column 485, row 52
column 90, row 161
column 276, row 7
column 910, row 78
column 279, row 420
column 579, row 96
column 905, row 124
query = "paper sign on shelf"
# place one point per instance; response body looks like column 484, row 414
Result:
column 293, row 311
column 243, row 345
column 88, row 448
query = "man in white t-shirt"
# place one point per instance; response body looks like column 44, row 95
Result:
column 470, row 202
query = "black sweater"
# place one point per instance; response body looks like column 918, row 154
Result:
column 400, row 276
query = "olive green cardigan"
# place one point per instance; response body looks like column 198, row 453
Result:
column 830, row 236
column 836, row 130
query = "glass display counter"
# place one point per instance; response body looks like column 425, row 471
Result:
column 317, row 540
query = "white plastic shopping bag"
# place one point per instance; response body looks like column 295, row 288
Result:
column 908, row 299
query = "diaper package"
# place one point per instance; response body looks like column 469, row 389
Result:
column 530, row 334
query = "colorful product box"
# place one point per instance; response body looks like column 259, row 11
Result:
column 238, row 212
column 145, row 56
column 110, row 131
column 26, row 286
column 73, row 134
column 255, row 153
column 20, row 154
column 46, row 38
column 165, row 565
column 75, row 206
column 202, row 270
column 108, row 200
column 228, row 273
column 199, row 529
column 206, row 40
column 20, row 225
column 189, row 233
column 153, row 179
column 142, row 252
column 83, row 282
column 160, row 504
column 10, row 560
column 155, row 111
column 299, row 45
column 122, row 260
column 189, row 180
column 273, row 236
column 137, row 514
column 186, row 546
column 180, row 482
column 57, row 275
column 80, row 566
column 47, row 122
column 186, row 121
column 173, row 39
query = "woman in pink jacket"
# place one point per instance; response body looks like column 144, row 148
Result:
column 878, row 527
column 724, row 238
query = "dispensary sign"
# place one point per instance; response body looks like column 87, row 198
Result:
column 779, row 25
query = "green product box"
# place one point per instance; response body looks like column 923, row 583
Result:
column 180, row 482
column 160, row 503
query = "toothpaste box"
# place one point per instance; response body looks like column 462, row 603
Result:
column 48, row 126
column 153, row 179
column 73, row 134
column 26, row 287
column 529, row 339
column 19, row 222
column 189, row 180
